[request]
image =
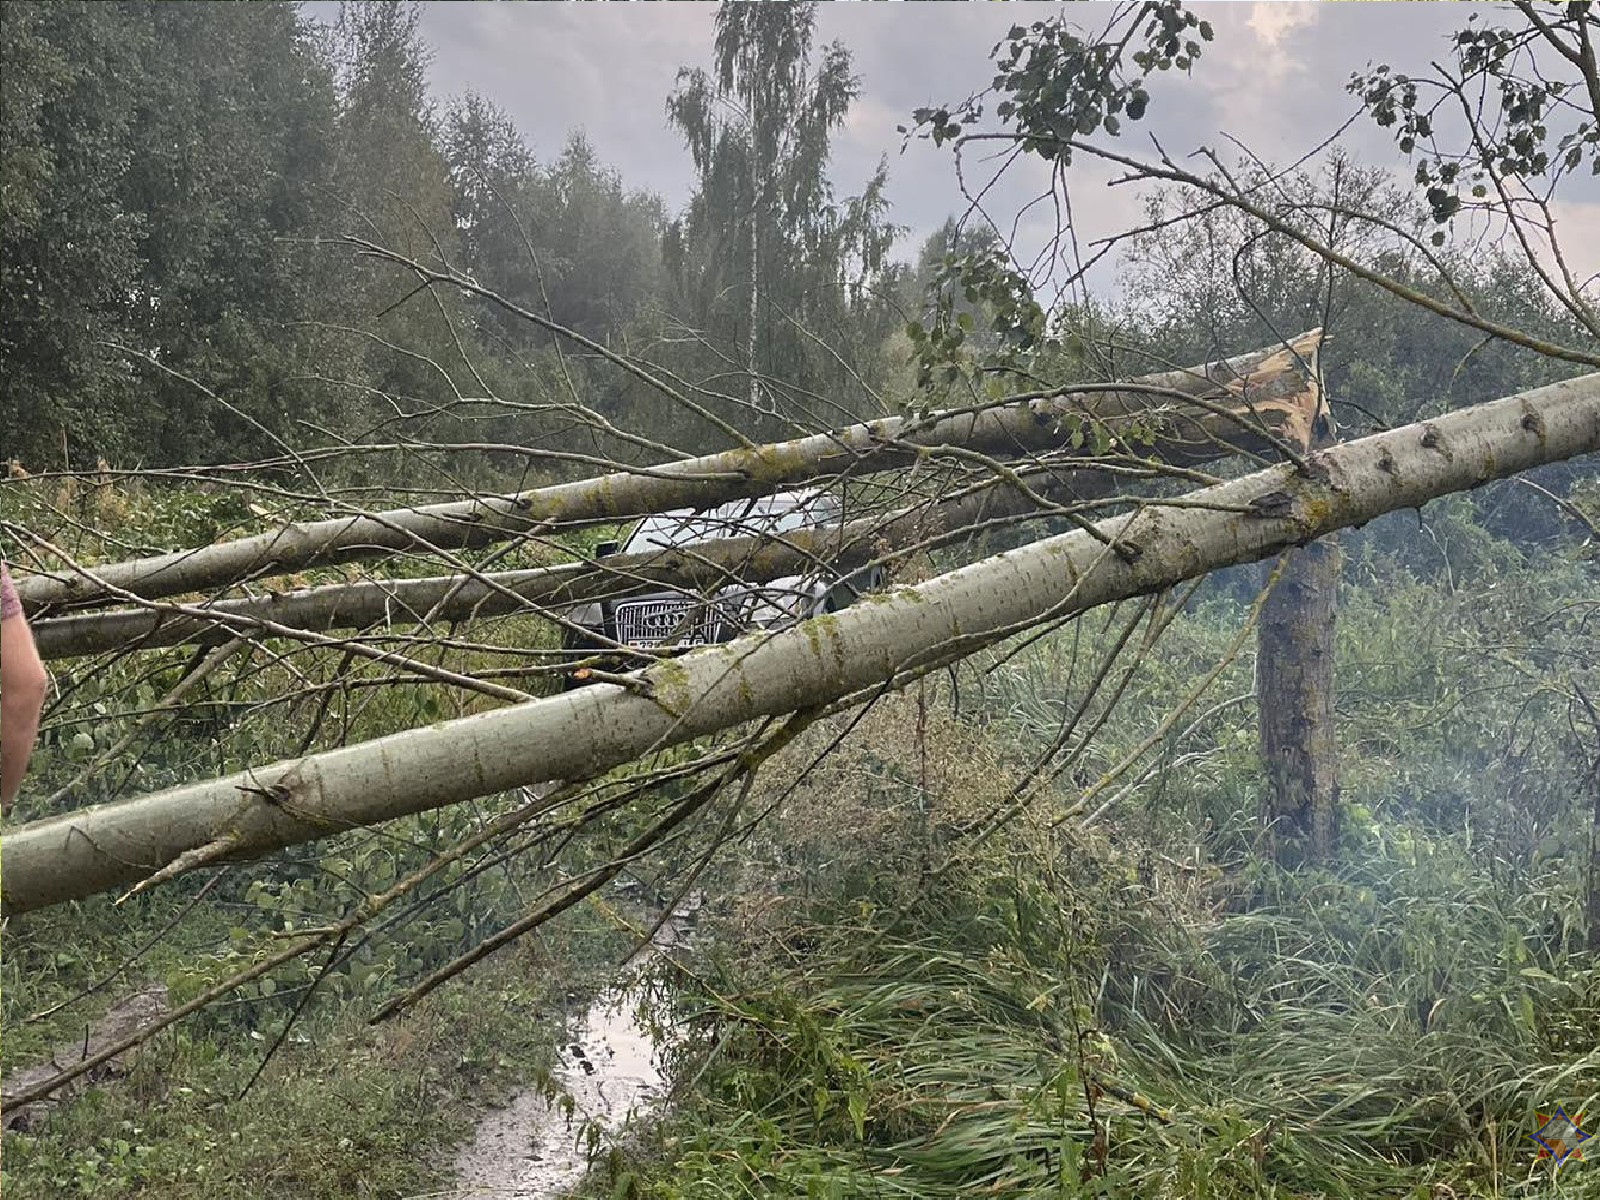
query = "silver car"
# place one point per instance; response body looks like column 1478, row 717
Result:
column 671, row 621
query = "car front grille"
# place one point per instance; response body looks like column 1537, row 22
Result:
column 664, row 622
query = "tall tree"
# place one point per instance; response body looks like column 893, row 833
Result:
column 68, row 269
column 567, row 239
column 159, row 161
column 394, row 189
column 603, row 243
column 763, row 247
column 491, row 169
column 234, row 147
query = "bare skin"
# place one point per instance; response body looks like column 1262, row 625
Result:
column 23, row 686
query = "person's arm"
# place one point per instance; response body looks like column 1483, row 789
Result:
column 23, row 686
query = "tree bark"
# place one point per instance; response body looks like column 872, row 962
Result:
column 1591, row 781
column 753, row 309
column 1295, row 693
column 1295, row 697
column 1265, row 396
column 700, row 568
column 1592, row 936
column 822, row 660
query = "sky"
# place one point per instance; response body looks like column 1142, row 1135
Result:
column 1274, row 79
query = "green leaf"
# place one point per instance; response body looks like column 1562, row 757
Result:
column 857, row 1105
column 821, row 1102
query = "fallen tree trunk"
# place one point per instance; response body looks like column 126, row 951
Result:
column 828, row 658
column 701, row 568
column 1253, row 402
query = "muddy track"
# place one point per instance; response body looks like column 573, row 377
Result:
column 536, row 1148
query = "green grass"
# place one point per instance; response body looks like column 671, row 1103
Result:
column 882, row 1009
column 342, row 1110
column 950, row 1048
column 866, row 1025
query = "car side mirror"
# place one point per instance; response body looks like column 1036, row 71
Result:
column 606, row 549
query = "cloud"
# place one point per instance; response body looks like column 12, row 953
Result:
column 1274, row 79
column 604, row 68
column 1577, row 230
column 1271, row 22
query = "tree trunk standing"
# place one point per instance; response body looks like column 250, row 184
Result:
column 1295, row 695
column 1593, row 938
column 1592, row 780
column 1295, row 691
column 755, row 266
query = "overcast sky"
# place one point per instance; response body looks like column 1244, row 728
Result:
column 1274, row 78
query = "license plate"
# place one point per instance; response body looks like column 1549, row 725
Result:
column 654, row 622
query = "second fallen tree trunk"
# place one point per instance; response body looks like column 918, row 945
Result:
column 700, row 568
column 584, row 733
column 1255, row 401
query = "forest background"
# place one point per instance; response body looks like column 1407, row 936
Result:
column 209, row 316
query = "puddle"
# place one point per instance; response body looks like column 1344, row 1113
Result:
column 532, row 1149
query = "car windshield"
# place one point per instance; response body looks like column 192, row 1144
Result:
column 783, row 513
column 673, row 529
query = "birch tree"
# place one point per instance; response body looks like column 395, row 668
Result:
column 1492, row 134
column 1122, row 470
column 763, row 247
